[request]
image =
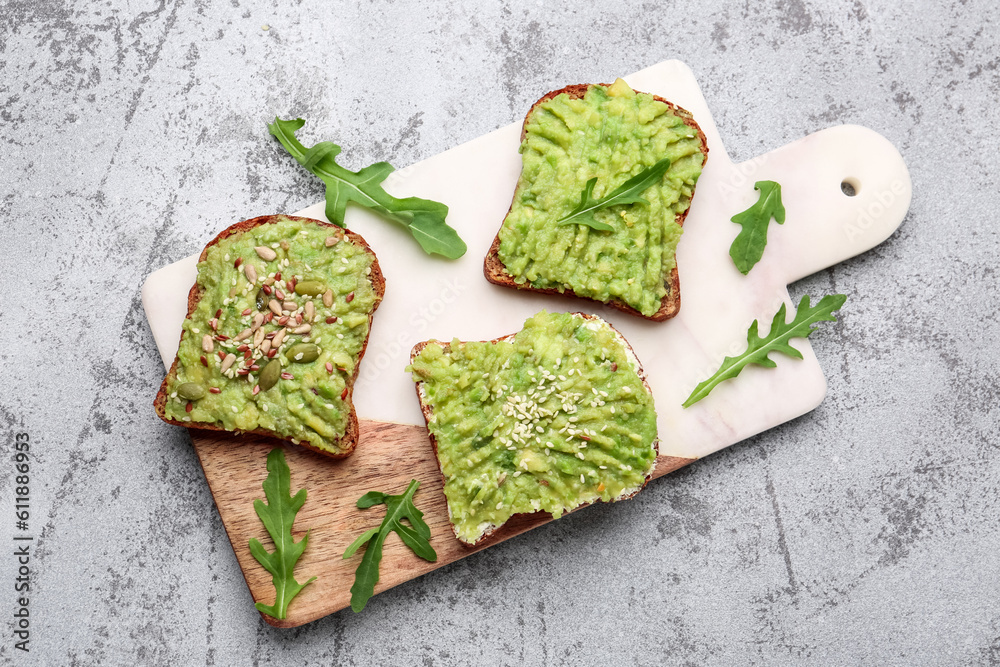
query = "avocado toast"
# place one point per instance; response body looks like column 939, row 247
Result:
column 552, row 418
column 611, row 133
column 277, row 323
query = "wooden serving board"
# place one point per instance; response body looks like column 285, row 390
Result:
column 430, row 298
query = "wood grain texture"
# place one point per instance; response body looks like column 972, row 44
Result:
column 387, row 458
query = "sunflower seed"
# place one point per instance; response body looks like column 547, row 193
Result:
column 266, row 253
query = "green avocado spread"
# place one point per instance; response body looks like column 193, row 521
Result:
column 551, row 419
column 277, row 334
column 612, row 133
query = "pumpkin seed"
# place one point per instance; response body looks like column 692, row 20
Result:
column 303, row 353
column 191, row 391
column 270, row 375
column 310, row 287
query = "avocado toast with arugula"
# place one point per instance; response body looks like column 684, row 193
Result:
column 277, row 323
column 607, row 178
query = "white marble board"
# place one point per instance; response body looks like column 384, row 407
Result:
column 435, row 298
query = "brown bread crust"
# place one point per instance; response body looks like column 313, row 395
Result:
column 350, row 439
column 496, row 272
column 428, row 412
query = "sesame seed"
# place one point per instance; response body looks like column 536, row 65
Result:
column 499, row 504
column 235, row 409
column 265, row 407
column 582, row 480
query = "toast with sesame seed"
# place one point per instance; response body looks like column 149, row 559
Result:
column 559, row 436
column 536, row 253
column 276, row 326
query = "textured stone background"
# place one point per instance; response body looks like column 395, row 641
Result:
column 863, row 533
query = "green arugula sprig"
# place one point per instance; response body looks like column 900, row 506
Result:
column 776, row 340
column 416, row 536
column 423, row 218
column 627, row 193
column 278, row 515
column 749, row 245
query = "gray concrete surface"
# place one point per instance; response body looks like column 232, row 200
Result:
column 863, row 533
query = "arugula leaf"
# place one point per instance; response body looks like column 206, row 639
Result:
column 776, row 340
column 423, row 218
column 627, row 193
column 416, row 536
column 748, row 247
column 278, row 515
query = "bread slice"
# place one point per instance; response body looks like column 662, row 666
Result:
column 489, row 530
column 496, row 272
column 323, row 235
